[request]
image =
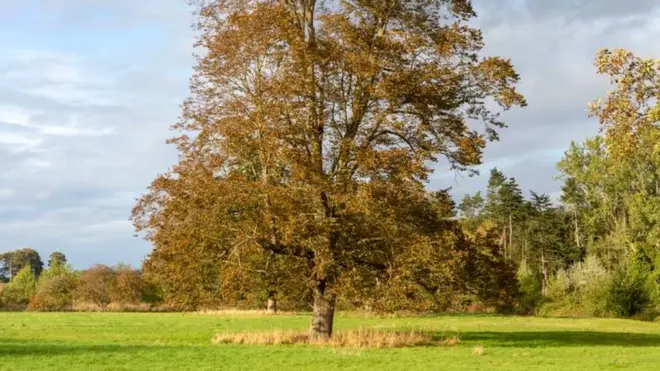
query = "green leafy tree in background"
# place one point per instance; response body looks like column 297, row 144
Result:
column 56, row 266
column 504, row 206
column 22, row 287
column 470, row 210
column 56, row 286
column 57, row 259
column 612, row 181
column 13, row 261
column 549, row 235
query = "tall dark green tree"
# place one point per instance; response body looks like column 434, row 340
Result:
column 470, row 210
column 56, row 259
column 13, row 261
column 504, row 206
column 551, row 246
column 471, row 206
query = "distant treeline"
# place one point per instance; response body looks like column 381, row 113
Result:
column 26, row 284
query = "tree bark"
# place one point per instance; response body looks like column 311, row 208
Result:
column 503, row 241
column 272, row 305
column 510, row 237
column 577, row 229
column 544, row 286
column 323, row 314
column 524, row 246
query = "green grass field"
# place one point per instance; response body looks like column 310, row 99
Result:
column 116, row 341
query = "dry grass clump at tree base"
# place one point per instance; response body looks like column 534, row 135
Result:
column 246, row 312
column 361, row 338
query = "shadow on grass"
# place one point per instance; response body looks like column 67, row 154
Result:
column 19, row 348
column 530, row 339
column 543, row 339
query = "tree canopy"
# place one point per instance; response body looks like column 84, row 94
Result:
column 12, row 262
column 613, row 179
column 310, row 131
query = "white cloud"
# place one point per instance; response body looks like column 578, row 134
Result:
column 36, row 163
column 63, row 74
column 19, row 143
column 73, row 131
column 6, row 193
column 68, row 223
column 554, row 55
column 14, row 116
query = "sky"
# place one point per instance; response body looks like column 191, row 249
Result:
column 89, row 88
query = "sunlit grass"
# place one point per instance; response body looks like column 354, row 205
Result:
column 173, row 341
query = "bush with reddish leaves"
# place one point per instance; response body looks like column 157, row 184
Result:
column 97, row 285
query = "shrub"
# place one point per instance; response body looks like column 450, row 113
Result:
column 21, row 288
column 559, row 286
column 628, row 294
column 97, row 285
column 590, row 283
column 530, row 289
column 152, row 292
column 580, row 291
column 54, row 293
column 128, row 288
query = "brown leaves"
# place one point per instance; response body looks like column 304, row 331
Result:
column 309, row 130
column 97, row 285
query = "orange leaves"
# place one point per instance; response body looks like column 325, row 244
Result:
column 307, row 135
column 614, row 62
column 499, row 76
column 470, row 149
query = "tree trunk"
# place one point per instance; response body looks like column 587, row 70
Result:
column 503, row 241
column 524, row 247
column 272, row 304
column 510, row 238
column 544, row 286
column 324, row 312
column 577, row 229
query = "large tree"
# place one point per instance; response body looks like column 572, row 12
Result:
column 505, row 206
column 12, row 262
column 321, row 120
column 612, row 181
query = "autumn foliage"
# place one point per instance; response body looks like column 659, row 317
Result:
column 97, row 285
column 305, row 147
column 128, row 287
column 54, row 293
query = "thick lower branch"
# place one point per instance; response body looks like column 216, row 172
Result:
column 280, row 249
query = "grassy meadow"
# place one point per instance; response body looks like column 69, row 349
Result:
column 174, row 341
